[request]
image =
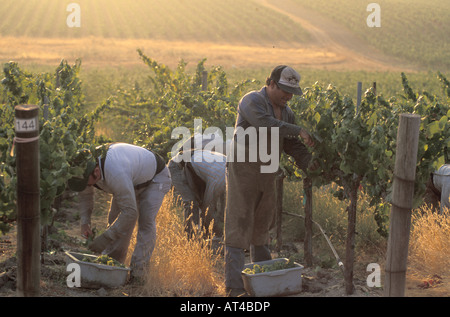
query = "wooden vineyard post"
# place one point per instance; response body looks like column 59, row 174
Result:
column 402, row 200
column 307, row 245
column 358, row 95
column 351, row 232
column 279, row 216
column 204, row 80
column 28, row 200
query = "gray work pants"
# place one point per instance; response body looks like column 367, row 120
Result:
column 149, row 200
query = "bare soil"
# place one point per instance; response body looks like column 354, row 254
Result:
column 65, row 236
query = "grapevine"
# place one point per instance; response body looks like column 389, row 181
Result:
column 174, row 100
column 65, row 128
column 356, row 146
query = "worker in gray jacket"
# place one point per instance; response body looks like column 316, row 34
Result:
column 138, row 180
column 438, row 188
column 251, row 190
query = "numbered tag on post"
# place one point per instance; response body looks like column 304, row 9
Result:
column 26, row 125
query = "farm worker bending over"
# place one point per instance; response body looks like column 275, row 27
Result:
column 201, row 184
column 138, row 180
column 439, row 186
column 251, row 193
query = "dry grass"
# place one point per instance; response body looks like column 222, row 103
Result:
column 331, row 213
column 103, row 52
column 430, row 243
column 180, row 266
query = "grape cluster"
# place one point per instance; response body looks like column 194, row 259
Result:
column 103, row 259
column 279, row 265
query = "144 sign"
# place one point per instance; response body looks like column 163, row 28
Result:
column 26, row 125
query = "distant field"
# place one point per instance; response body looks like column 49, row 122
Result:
column 232, row 33
column 107, row 52
column 229, row 32
column 228, row 21
column 246, row 37
column 416, row 30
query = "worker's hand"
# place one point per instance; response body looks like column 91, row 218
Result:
column 313, row 165
column 100, row 243
column 86, row 231
column 309, row 141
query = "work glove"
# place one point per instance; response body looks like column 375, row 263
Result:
column 100, row 243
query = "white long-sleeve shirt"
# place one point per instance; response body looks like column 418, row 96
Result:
column 125, row 167
column 441, row 180
column 211, row 168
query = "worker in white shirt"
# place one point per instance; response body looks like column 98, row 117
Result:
column 438, row 187
column 138, row 180
column 201, row 182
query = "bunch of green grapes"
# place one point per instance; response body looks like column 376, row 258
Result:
column 104, row 259
column 279, row 265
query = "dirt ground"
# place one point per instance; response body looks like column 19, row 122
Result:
column 316, row 281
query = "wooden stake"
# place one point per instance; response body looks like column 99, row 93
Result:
column 204, row 80
column 28, row 200
column 358, row 96
column 402, row 201
column 307, row 245
column 279, row 182
column 351, row 232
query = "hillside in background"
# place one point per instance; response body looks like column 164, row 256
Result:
column 414, row 35
column 414, row 30
column 230, row 21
